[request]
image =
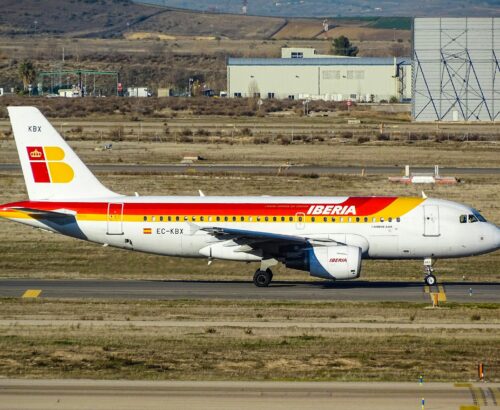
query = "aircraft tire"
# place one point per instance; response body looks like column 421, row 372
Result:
column 430, row 280
column 262, row 278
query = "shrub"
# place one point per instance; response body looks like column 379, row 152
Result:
column 362, row 140
column 383, row 137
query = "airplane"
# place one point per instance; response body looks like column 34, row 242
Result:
column 326, row 236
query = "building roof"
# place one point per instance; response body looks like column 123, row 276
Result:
column 318, row 61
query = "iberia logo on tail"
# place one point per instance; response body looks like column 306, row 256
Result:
column 47, row 165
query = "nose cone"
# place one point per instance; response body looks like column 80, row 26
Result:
column 497, row 235
column 492, row 237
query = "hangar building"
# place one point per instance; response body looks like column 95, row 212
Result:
column 456, row 68
column 305, row 75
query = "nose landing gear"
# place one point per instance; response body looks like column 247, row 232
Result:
column 429, row 279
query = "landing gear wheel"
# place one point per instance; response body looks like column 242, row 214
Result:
column 430, row 280
column 262, row 278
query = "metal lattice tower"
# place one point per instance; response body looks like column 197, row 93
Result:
column 456, row 71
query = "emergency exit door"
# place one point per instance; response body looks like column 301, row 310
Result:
column 431, row 220
column 115, row 219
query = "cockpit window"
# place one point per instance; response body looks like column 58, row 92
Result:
column 472, row 218
column 463, row 219
column 479, row 217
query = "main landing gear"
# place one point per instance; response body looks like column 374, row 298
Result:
column 429, row 279
column 263, row 276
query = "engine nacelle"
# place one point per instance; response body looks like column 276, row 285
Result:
column 329, row 262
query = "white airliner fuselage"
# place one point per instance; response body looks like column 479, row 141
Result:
column 326, row 236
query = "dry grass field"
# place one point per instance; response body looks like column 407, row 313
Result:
column 139, row 350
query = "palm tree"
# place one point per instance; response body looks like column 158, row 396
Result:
column 27, row 73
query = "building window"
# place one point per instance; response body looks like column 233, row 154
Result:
column 237, row 95
column 270, row 95
column 291, row 97
column 331, row 75
column 297, row 54
column 256, row 95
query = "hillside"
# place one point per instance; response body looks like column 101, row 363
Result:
column 114, row 18
column 341, row 8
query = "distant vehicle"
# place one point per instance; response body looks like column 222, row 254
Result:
column 326, row 236
column 208, row 93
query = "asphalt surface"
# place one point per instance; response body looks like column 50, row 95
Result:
column 105, row 394
column 345, row 291
column 268, row 169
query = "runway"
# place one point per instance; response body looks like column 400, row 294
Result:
column 102, row 394
column 237, row 290
column 269, row 170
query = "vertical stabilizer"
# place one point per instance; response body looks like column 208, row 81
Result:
column 50, row 167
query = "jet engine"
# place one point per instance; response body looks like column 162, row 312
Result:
column 328, row 262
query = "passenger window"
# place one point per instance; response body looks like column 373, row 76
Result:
column 177, row 218
column 226, row 219
column 234, row 219
column 341, row 219
column 398, row 219
column 274, row 219
column 217, row 218
column 382, row 219
column 366, row 219
column 374, row 219
column 390, row 219
column 300, row 219
column 145, row 219
column 161, row 218
column 290, row 219
column 202, row 218
column 313, row 219
column 266, row 218
column 282, row 219
column 210, row 219
column 242, row 219
column 153, row 218
column 325, row 219
column 357, row 219
column 349, row 219
column 186, row 218
column 463, row 219
column 193, row 218
column 258, row 219
column 250, row 218
column 333, row 219
column 472, row 218
column 169, row 218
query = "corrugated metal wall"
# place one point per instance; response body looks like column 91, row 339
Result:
column 456, row 70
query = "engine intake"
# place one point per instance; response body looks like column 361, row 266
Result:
column 329, row 262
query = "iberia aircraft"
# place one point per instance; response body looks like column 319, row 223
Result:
column 325, row 236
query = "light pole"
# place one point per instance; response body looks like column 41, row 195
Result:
column 190, row 86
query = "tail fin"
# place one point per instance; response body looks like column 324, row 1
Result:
column 51, row 168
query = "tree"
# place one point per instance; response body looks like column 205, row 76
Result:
column 343, row 47
column 27, row 73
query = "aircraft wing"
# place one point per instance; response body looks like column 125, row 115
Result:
column 246, row 236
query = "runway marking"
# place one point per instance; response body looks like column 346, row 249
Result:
column 478, row 396
column 32, row 293
column 441, row 294
column 493, row 395
column 469, row 407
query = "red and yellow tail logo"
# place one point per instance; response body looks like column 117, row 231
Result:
column 48, row 167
